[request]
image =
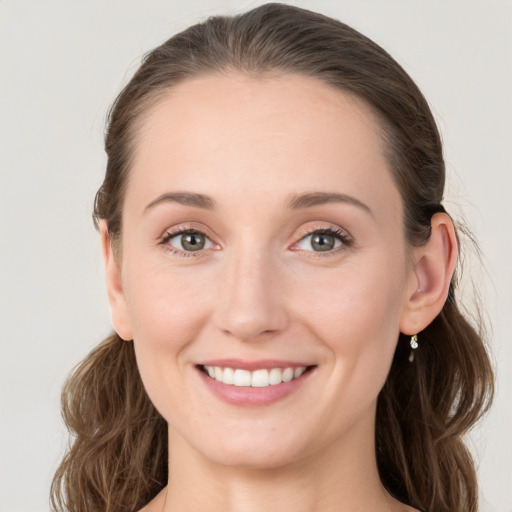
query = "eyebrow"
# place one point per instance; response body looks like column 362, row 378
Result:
column 318, row 198
column 297, row 201
column 184, row 198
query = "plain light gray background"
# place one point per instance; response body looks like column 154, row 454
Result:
column 61, row 64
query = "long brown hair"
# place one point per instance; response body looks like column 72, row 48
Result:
column 117, row 459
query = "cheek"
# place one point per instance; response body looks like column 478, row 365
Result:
column 167, row 314
column 354, row 300
column 164, row 303
column 356, row 313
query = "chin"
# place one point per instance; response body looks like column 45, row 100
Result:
column 258, row 452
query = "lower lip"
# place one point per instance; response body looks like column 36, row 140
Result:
column 247, row 396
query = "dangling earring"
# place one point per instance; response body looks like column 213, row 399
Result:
column 414, row 346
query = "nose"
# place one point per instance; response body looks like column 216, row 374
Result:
column 250, row 303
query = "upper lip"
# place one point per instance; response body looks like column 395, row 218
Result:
column 254, row 364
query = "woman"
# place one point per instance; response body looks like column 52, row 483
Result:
column 280, row 272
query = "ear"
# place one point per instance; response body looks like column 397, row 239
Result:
column 119, row 311
column 433, row 267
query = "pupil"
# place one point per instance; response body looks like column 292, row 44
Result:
column 192, row 241
column 322, row 242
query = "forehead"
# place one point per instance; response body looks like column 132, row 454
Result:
column 275, row 135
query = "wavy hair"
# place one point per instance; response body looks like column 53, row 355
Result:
column 117, row 459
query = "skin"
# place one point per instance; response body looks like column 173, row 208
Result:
column 259, row 290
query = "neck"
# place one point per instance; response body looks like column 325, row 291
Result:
column 341, row 478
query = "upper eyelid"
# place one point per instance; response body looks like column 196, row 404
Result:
column 186, row 228
column 328, row 228
column 333, row 232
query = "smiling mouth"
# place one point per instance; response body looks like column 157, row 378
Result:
column 256, row 379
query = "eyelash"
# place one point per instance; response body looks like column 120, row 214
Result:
column 343, row 237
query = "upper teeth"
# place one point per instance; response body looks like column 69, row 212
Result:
column 255, row 379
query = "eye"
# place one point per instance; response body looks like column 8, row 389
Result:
column 188, row 241
column 324, row 240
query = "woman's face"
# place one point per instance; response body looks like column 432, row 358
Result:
column 262, row 231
